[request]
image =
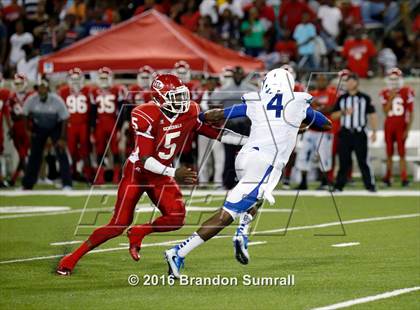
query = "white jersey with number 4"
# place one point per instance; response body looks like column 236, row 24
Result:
column 276, row 119
column 275, row 123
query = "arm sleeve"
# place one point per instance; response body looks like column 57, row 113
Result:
column 237, row 110
column 337, row 105
column 315, row 119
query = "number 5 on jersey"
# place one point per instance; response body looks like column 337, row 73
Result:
column 275, row 104
column 169, row 145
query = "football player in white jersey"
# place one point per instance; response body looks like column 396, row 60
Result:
column 276, row 113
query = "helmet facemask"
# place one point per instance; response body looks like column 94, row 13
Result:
column 176, row 101
column 104, row 80
column 20, row 85
column 394, row 81
column 76, row 82
column 144, row 80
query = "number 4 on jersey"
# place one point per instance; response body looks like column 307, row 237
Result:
column 275, row 104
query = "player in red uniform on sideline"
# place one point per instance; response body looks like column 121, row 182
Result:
column 107, row 99
column 4, row 97
column 183, row 71
column 323, row 100
column 161, row 129
column 77, row 99
column 397, row 103
column 19, row 134
column 138, row 93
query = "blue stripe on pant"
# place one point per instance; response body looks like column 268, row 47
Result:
column 247, row 202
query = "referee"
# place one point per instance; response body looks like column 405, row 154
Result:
column 355, row 111
column 48, row 115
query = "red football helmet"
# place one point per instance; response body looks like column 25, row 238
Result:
column 104, row 77
column 145, row 77
column 20, row 83
column 76, row 79
column 394, row 78
column 182, row 70
column 170, row 93
column 226, row 76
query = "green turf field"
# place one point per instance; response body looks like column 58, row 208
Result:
column 296, row 243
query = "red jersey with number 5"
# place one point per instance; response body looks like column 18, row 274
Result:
column 162, row 137
column 108, row 102
column 401, row 105
column 78, row 104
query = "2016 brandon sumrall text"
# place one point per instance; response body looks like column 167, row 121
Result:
column 218, row 280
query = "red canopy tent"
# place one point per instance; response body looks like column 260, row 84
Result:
column 147, row 39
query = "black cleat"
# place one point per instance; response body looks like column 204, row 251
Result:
column 405, row 183
column 387, row 182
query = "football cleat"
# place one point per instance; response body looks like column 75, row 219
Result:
column 65, row 266
column 133, row 249
column 62, row 271
column 175, row 262
column 240, row 246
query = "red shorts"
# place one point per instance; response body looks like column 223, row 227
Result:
column 20, row 138
column 163, row 191
column 394, row 132
column 104, row 132
column 78, row 140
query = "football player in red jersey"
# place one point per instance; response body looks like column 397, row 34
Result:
column 183, row 71
column 315, row 143
column 107, row 99
column 19, row 134
column 397, row 103
column 77, row 99
column 161, row 127
column 298, row 86
column 290, row 164
column 4, row 111
column 138, row 93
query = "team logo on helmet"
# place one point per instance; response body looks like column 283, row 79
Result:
column 158, row 85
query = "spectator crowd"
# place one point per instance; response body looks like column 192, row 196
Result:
column 369, row 36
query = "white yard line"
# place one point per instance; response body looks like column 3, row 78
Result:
column 113, row 192
column 363, row 300
column 364, row 220
column 257, row 243
column 343, row 245
column 139, row 208
column 355, row 221
column 32, row 209
column 66, row 242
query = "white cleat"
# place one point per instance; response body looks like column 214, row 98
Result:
column 175, row 262
column 240, row 246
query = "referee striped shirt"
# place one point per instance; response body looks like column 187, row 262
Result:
column 354, row 110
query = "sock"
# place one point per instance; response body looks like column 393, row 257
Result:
column 137, row 233
column 388, row 175
column 77, row 254
column 190, row 244
column 244, row 220
column 303, row 181
column 404, row 175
